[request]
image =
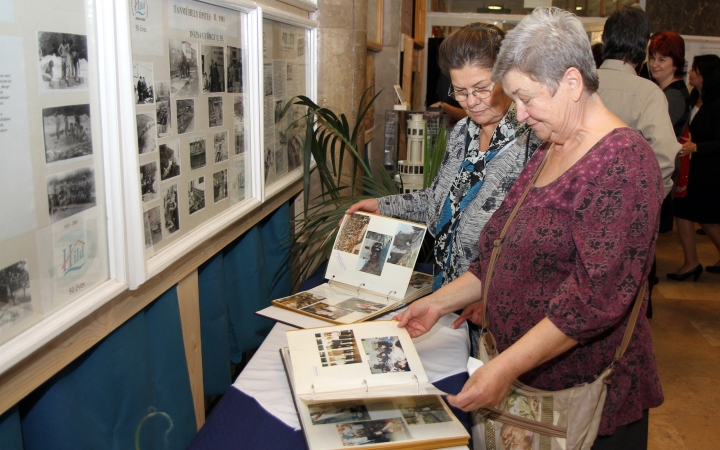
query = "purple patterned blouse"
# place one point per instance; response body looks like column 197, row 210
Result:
column 576, row 253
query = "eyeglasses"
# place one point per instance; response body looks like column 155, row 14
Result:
column 461, row 96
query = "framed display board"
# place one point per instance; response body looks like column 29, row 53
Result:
column 288, row 71
column 59, row 206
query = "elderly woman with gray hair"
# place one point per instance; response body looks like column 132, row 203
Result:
column 575, row 254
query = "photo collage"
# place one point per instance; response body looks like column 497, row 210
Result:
column 190, row 123
column 376, row 249
column 284, row 78
column 363, row 422
column 332, row 306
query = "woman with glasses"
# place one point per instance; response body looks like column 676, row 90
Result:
column 485, row 154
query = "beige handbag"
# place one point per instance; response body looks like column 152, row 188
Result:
column 534, row 419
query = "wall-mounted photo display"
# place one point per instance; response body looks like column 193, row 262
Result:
column 195, row 83
column 284, row 77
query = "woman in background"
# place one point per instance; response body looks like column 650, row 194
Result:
column 702, row 202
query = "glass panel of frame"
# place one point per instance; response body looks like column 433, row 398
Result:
column 53, row 229
column 286, row 68
column 189, row 90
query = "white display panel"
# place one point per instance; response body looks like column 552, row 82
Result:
column 53, row 212
column 286, row 74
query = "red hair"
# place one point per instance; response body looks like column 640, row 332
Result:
column 672, row 45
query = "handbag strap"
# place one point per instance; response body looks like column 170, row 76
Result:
column 497, row 246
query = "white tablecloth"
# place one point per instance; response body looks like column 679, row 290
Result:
column 444, row 352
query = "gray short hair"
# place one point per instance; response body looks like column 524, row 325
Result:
column 544, row 45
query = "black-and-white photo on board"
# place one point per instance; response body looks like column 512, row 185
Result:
column 169, row 160
column 221, row 146
column 67, row 133
column 15, row 297
column 149, row 181
column 238, row 109
column 197, row 152
column 185, row 116
column 70, row 193
column 184, row 78
column 143, row 82
column 146, row 132
column 153, row 226
column 287, row 39
column 220, row 186
column 234, row 70
column 196, row 195
column 239, row 140
column 170, row 209
column 63, row 63
column 212, row 62
column 215, row 112
column 163, row 111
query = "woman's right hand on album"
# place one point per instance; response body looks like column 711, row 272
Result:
column 419, row 318
column 368, row 205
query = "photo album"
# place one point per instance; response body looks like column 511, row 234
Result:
column 364, row 384
column 369, row 273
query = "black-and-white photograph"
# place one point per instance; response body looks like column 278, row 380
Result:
column 215, row 112
column 149, row 181
column 268, row 79
column 239, row 140
column 373, row 253
column 170, row 209
column 301, row 46
column 234, row 70
column 163, row 110
column 406, row 245
column 153, row 226
column 169, row 160
column 269, row 164
column 279, row 111
column 146, row 132
column 196, row 195
column 221, row 146
column 287, row 39
column 63, row 62
column 184, row 80
column 197, row 153
column 15, row 297
column 67, row 132
column 70, row 192
column 295, row 145
column 238, row 111
column 385, row 354
column 185, row 116
column 143, row 83
column 280, row 161
column 212, row 62
column 220, row 187
column 237, row 179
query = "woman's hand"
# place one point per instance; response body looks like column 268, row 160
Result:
column 474, row 312
column 487, row 387
column 368, row 205
column 419, row 318
column 687, row 148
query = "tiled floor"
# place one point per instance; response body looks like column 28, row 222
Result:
column 686, row 334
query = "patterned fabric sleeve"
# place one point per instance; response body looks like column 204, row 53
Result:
column 612, row 214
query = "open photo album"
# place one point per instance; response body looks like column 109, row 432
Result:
column 369, row 273
column 364, row 384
